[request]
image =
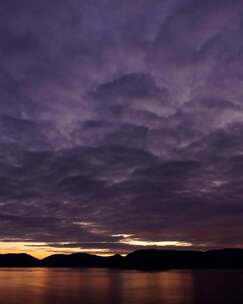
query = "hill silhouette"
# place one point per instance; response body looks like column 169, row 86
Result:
column 18, row 260
column 82, row 260
column 140, row 260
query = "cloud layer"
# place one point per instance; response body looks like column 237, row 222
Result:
column 121, row 120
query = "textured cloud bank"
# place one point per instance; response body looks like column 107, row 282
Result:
column 121, row 119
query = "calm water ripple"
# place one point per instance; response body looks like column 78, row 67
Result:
column 102, row 286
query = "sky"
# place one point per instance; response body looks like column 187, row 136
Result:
column 121, row 125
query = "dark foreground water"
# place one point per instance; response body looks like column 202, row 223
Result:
column 101, row 286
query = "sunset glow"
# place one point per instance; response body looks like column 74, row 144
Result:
column 41, row 250
column 137, row 242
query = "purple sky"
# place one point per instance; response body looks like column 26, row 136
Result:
column 121, row 122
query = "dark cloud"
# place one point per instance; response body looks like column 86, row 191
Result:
column 121, row 118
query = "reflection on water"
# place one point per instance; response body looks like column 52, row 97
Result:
column 102, row 286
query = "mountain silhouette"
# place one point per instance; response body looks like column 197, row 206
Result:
column 138, row 260
column 18, row 260
column 82, row 260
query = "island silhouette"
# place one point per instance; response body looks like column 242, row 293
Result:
column 150, row 259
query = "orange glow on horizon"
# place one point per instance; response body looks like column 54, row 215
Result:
column 42, row 250
column 142, row 243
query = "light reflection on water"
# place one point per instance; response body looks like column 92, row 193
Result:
column 102, row 286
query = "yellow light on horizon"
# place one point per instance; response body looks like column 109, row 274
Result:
column 42, row 250
column 138, row 242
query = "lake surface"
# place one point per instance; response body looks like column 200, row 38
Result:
column 102, row 286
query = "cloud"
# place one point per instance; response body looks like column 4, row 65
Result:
column 126, row 115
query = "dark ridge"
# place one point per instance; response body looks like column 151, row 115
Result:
column 138, row 260
column 82, row 260
column 18, row 260
column 172, row 259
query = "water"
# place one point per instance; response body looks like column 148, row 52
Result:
column 102, row 286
